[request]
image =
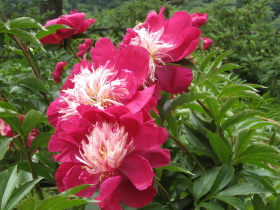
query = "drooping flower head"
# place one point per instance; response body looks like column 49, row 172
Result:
column 84, row 48
column 77, row 23
column 109, row 82
column 167, row 41
column 112, row 149
column 199, row 19
column 58, row 71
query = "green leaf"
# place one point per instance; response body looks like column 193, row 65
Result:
column 154, row 206
column 8, row 182
column 31, row 120
column 226, row 106
column 202, row 185
column 34, row 83
column 184, row 63
column 26, row 36
column 185, row 98
column 215, row 64
column 48, row 203
column 206, row 60
column 211, row 206
column 28, row 204
column 19, row 193
column 242, row 189
column 172, row 123
column 224, row 176
column 275, row 204
column 47, row 162
column 39, row 141
column 238, row 117
column 50, row 30
column 7, row 105
column 242, row 142
column 249, row 94
column 75, row 190
column 218, row 146
column 81, row 36
column 25, row 22
column 232, row 90
column 176, row 167
column 14, row 123
column 68, row 203
column 7, row 113
column 226, row 67
column 4, row 145
column 213, row 107
column 235, row 202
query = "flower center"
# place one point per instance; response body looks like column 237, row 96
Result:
column 106, row 148
column 99, row 88
column 157, row 48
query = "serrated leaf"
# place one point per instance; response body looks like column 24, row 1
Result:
column 26, row 36
column 25, row 22
column 34, row 83
column 4, row 145
column 235, row 202
column 39, row 141
column 50, row 30
column 242, row 189
column 19, row 193
column 176, row 167
column 218, row 146
column 202, row 185
column 31, row 120
column 238, row 117
column 8, row 182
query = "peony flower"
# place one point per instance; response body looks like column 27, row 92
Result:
column 207, row 42
column 77, row 23
column 112, row 149
column 84, row 48
column 112, row 80
column 167, row 41
column 199, row 19
column 58, row 71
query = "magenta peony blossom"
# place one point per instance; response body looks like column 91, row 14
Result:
column 76, row 21
column 84, row 48
column 167, row 41
column 58, row 71
column 207, row 42
column 109, row 81
column 199, row 19
column 112, row 149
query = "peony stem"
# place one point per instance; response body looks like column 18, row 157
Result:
column 71, row 48
column 185, row 150
column 165, row 193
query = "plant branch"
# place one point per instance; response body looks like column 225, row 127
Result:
column 71, row 48
column 165, row 193
column 185, row 150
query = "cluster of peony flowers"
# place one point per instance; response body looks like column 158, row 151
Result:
column 104, row 134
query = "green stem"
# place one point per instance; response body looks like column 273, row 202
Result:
column 71, row 48
column 185, row 150
column 165, row 193
column 35, row 70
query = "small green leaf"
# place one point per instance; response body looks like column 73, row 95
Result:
column 28, row 204
column 39, row 141
column 50, row 30
column 215, row 64
column 4, row 145
column 242, row 189
column 31, row 120
column 176, row 167
column 242, row 142
column 8, row 182
column 19, row 193
column 75, row 190
column 206, row 60
column 186, row 98
column 218, row 146
column 226, row 106
column 34, row 83
column 25, row 22
column 226, row 67
column 233, row 201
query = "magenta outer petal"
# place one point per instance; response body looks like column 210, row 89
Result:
column 175, row 26
column 157, row 157
column 140, row 99
column 53, row 110
column 135, row 59
column 133, row 197
column 138, row 170
column 108, row 187
column 154, row 22
column 174, row 79
column 104, row 53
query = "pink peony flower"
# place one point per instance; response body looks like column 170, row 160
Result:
column 112, row 80
column 207, row 42
column 112, row 149
column 84, row 48
column 58, row 71
column 76, row 21
column 199, row 19
column 167, row 41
